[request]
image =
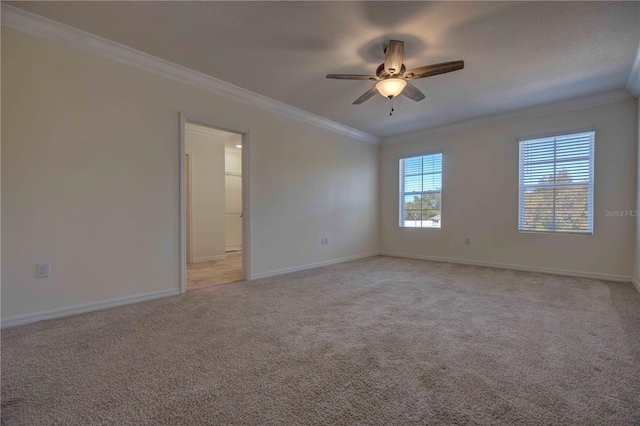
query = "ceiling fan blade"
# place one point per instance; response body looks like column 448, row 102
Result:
column 435, row 69
column 412, row 92
column 369, row 93
column 352, row 77
column 393, row 57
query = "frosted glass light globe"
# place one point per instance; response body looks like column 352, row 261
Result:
column 391, row 87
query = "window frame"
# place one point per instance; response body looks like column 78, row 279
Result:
column 400, row 209
column 590, row 186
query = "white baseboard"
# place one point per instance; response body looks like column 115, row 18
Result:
column 606, row 277
column 208, row 258
column 94, row 306
column 310, row 266
column 85, row 307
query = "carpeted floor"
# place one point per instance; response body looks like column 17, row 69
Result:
column 375, row 341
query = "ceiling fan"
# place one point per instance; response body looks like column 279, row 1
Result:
column 392, row 75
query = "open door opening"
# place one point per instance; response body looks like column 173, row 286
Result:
column 214, row 192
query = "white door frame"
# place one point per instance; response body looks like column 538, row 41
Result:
column 246, row 206
column 189, row 232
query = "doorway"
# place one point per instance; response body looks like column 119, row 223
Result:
column 214, row 193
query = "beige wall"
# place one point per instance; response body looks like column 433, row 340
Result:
column 90, row 180
column 480, row 196
column 207, row 194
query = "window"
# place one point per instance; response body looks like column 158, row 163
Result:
column 420, row 191
column 556, row 184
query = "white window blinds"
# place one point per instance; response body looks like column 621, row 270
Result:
column 421, row 191
column 556, row 184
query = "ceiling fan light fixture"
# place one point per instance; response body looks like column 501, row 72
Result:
column 392, row 74
column 391, row 87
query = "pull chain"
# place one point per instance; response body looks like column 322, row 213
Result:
column 391, row 101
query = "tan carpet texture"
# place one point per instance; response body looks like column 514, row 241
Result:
column 379, row 341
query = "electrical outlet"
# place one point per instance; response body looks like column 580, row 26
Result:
column 42, row 270
column 467, row 241
column 326, row 241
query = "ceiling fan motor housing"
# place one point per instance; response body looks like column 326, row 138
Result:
column 382, row 73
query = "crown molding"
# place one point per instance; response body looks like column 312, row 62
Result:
column 569, row 105
column 29, row 23
column 633, row 82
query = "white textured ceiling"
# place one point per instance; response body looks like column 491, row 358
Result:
column 517, row 54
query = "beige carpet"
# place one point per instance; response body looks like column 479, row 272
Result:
column 376, row 341
column 216, row 272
